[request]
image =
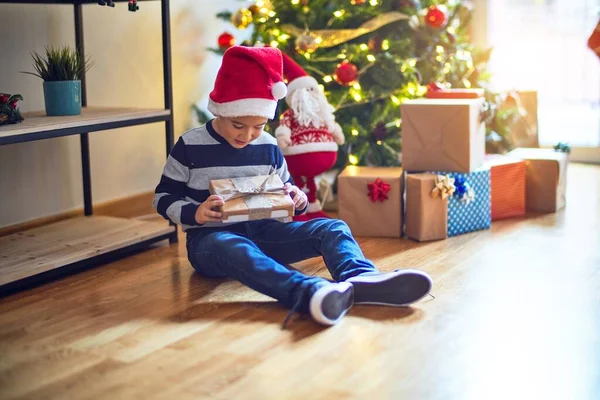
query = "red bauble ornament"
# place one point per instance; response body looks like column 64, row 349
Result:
column 437, row 16
column 346, row 73
column 226, row 40
column 358, row 2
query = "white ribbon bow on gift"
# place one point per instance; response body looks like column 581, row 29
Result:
column 468, row 196
column 244, row 187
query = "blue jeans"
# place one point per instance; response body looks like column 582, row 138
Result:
column 257, row 253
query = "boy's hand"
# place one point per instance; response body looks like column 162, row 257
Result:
column 205, row 212
column 299, row 197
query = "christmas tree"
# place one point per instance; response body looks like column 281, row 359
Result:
column 371, row 55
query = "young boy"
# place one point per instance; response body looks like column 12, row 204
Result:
column 257, row 253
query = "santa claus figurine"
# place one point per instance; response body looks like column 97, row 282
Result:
column 307, row 134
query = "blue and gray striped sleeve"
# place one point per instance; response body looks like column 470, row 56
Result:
column 169, row 196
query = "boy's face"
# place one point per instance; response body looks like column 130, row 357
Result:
column 239, row 131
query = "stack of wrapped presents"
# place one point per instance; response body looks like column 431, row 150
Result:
column 447, row 185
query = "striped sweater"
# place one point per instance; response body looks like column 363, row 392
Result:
column 201, row 155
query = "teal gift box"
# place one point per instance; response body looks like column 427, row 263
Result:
column 470, row 205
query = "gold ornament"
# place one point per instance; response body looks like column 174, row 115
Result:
column 444, row 187
column 334, row 37
column 254, row 9
column 306, row 44
column 261, row 8
column 242, row 18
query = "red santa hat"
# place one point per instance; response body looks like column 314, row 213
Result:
column 249, row 83
column 296, row 76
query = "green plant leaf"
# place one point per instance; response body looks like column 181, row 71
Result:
column 60, row 64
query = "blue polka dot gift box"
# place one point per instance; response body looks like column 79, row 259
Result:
column 469, row 201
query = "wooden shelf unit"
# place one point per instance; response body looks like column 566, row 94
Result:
column 50, row 247
column 38, row 126
column 32, row 256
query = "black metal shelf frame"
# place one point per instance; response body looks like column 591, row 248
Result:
column 83, row 131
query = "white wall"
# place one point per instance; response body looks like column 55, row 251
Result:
column 44, row 177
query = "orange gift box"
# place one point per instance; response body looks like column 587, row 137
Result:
column 508, row 176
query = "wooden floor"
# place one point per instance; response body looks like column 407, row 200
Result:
column 516, row 316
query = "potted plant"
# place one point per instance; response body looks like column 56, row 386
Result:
column 61, row 69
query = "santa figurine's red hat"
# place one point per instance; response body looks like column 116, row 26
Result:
column 249, row 83
column 296, row 76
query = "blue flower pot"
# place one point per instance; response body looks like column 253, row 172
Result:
column 62, row 97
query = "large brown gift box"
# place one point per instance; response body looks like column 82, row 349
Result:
column 546, row 178
column 253, row 198
column 357, row 187
column 426, row 216
column 442, row 135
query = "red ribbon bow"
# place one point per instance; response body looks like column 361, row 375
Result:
column 378, row 190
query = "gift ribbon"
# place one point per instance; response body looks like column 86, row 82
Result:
column 563, row 147
column 244, row 187
column 378, row 190
column 468, row 196
column 464, row 191
column 259, row 206
column 444, row 187
column 334, row 37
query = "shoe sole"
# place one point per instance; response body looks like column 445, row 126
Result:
column 398, row 289
column 329, row 304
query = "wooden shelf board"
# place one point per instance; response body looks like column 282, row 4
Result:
column 29, row 253
column 39, row 126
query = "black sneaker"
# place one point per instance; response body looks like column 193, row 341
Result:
column 398, row 288
column 331, row 302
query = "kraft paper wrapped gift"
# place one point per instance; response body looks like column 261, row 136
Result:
column 508, row 186
column 426, row 216
column 369, row 200
column 546, row 178
column 442, row 134
column 253, row 198
column 470, row 205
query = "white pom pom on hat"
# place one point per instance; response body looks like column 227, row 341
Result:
column 279, row 90
column 249, row 83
